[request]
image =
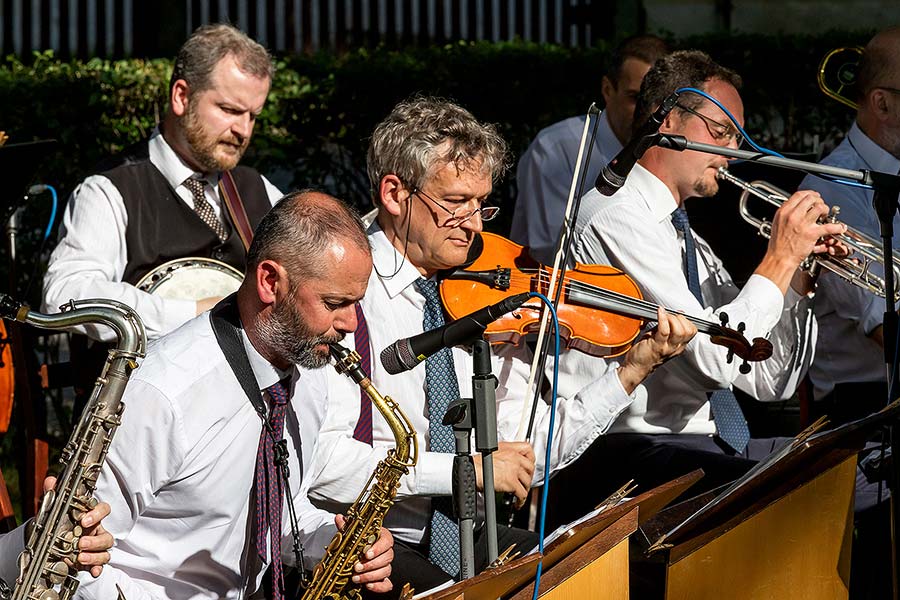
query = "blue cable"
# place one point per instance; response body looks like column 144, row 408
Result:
column 543, row 516
column 733, row 120
column 766, row 150
column 52, row 212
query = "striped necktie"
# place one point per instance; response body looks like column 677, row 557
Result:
column 726, row 411
column 363, row 430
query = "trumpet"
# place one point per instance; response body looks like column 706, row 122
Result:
column 866, row 249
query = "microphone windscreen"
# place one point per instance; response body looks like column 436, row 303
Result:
column 398, row 357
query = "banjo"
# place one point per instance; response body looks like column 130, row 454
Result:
column 191, row 278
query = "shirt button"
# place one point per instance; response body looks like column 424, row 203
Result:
column 218, row 254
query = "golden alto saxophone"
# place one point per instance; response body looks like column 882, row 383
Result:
column 46, row 566
column 331, row 577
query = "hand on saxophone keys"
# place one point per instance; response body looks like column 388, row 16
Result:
column 95, row 541
column 374, row 567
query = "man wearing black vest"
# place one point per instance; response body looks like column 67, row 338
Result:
column 161, row 199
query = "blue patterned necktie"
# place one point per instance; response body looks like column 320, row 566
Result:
column 725, row 408
column 441, row 388
column 269, row 486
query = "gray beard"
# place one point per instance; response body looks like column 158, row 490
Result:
column 287, row 335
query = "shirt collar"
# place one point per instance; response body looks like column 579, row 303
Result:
column 172, row 166
column 386, row 259
column 606, row 138
column 265, row 372
column 876, row 157
column 657, row 197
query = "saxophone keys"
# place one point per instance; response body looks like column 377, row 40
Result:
column 335, row 543
column 56, row 574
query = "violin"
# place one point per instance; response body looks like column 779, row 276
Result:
column 601, row 310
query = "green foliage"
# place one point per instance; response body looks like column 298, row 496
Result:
column 322, row 108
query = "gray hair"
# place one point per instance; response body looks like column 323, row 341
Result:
column 422, row 135
column 210, row 44
column 298, row 230
column 685, row 68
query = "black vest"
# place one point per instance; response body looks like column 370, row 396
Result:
column 161, row 227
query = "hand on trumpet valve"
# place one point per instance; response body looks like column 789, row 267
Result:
column 801, row 227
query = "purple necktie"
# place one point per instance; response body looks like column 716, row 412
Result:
column 363, row 431
column 269, row 486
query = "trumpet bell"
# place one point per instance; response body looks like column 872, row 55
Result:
column 837, row 74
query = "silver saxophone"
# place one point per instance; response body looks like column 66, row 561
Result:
column 46, row 566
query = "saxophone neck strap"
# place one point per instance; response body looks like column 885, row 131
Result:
column 226, row 325
column 232, row 200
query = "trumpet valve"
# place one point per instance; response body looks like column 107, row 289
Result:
column 833, row 214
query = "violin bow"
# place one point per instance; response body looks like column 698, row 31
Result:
column 560, row 262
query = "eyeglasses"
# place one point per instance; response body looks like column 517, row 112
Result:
column 455, row 218
column 717, row 131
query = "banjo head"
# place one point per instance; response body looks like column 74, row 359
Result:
column 191, row 278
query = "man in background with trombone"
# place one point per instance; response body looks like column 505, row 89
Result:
column 687, row 404
column 848, row 375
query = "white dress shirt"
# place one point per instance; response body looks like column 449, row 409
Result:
column 11, row 545
column 394, row 309
column 632, row 231
column 91, row 256
column 846, row 313
column 544, row 176
column 179, row 476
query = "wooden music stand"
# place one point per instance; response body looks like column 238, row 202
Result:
column 781, row 531
column 588, row 559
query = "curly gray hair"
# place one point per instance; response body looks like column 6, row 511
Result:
column 422, row 135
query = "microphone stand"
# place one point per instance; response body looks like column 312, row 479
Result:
column 464, row 415
column 886, row 188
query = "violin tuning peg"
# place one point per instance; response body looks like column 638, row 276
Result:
column 744, row 368
column 730, row 357
column 741, row 327
column 723, row 319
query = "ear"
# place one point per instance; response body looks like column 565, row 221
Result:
column 271, row 282
column 607, row 89
column 392, row 193
column 179, row 97
column 672, row 122
column 878, row 103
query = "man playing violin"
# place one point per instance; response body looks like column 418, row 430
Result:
column 432, row 165
column 687, row 404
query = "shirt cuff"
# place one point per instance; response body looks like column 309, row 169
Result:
column 605, row 398
column 765, row 298
column 434, row 474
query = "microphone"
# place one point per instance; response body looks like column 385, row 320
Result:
column 405, row 354
column 613, row 175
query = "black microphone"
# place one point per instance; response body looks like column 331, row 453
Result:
column 405, row 354
column 613, row 175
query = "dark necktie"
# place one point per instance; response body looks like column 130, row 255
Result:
column 441, row 388
column 726, row 411
column 363, row 431
column 204, row 209
column 269, row 486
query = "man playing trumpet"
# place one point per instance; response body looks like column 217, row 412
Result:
column 687, row 404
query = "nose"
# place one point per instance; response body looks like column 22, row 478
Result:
column 242, row 126
column 345, row 319
column 473, row 223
